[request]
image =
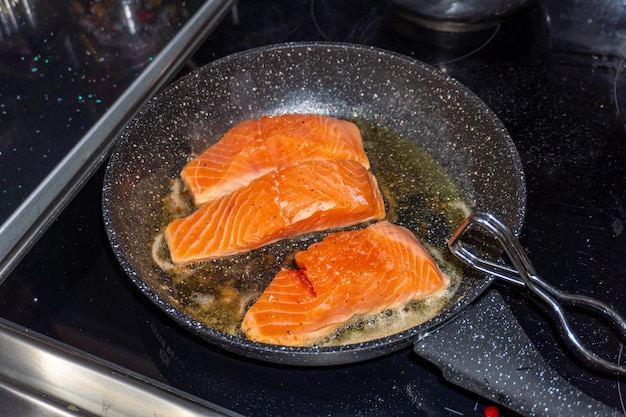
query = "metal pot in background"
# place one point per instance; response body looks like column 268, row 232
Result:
column 458, row 15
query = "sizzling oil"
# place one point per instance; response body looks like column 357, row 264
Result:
column 418, row 194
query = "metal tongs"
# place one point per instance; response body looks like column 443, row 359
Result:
column 522, row 272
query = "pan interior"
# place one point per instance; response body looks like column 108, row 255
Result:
column 388, row 95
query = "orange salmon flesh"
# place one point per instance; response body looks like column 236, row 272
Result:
column 255, row 147
column 349, row 273
column 313, row 196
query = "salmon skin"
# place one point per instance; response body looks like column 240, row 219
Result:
column 349, row 273
column 256, row 147
column 312, row 196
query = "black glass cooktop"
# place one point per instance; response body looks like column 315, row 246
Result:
column 554, row 76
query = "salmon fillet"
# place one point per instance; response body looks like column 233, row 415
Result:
column 256, row 147
column 349, row 273
column 312, row 196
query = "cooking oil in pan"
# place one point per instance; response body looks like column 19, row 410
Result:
column 418, row 194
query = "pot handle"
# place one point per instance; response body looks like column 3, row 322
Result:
column 486, row 351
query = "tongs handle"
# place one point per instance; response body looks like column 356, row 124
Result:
column 523, row 273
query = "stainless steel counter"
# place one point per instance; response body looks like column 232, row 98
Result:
column 40, row 377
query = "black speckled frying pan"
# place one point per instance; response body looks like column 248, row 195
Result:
column 371, row 86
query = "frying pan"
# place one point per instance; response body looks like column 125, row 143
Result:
column 347, row 81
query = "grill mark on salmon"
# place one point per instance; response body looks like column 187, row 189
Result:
column 256, row 147
column 349, row 273
column 313, row 196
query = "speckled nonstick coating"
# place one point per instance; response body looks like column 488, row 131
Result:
column 342, row 80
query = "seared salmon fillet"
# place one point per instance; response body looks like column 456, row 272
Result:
column 312, row 196
column 348, row 273
column 256, row 147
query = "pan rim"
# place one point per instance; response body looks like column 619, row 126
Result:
column 316, row 355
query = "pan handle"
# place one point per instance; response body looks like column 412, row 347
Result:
column 523, row 273
column 485, row 350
